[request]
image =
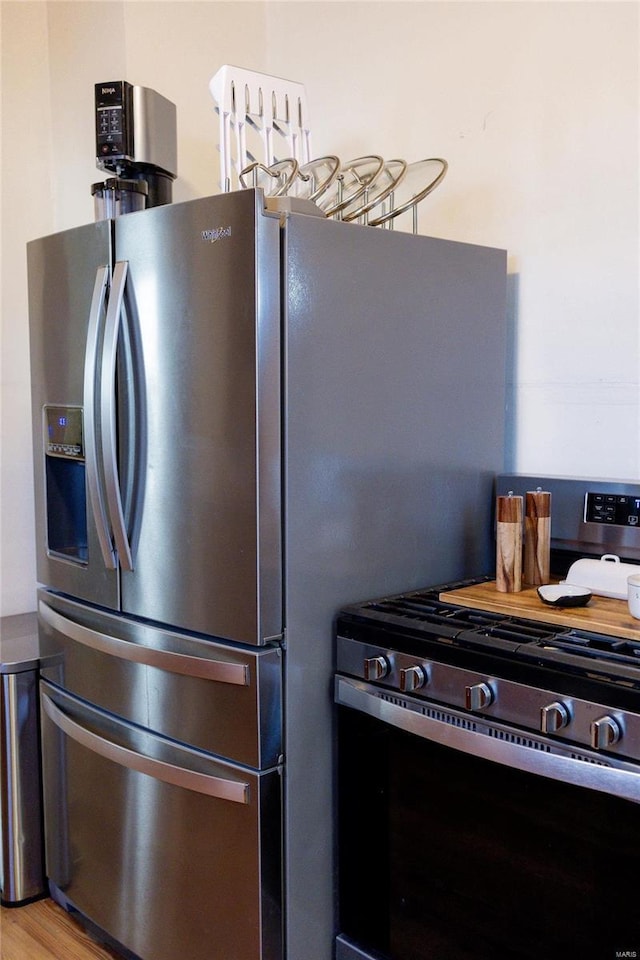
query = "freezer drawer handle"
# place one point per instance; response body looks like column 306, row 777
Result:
column 223, row 789
column 221, row 670
column 108, row 414
column 89, row 426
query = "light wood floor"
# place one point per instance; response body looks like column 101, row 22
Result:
column 44, row 931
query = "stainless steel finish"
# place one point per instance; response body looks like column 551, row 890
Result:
column 201, row 291
column 22, row 875
column 554, row 716
column 224, row 789
column 132, row 844
column 372, row 479
column 181, row 686
column 108, row 415
column 266, row 506
column 569, row 531
column 94, row 490
column 478, row 696
column 190, row 666
column 512, row 703
column 375, row 668
column 412, row 678
column 492, row 741
column 132, row 423
column 19, row 644
column 155, row 130
column 20, row 801
column 605, row 732
column 62, row 283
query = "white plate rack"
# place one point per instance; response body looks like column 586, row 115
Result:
column 250, row 103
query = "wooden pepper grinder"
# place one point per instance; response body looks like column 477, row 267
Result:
column 509, row 544
column 537, row 537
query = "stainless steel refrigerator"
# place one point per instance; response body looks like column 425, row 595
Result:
column 242, row 421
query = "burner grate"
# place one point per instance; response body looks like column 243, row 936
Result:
column 518, row 642
column 423, row 613
column 596, row 646
column 523, row 631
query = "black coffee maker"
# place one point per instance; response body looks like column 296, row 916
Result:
column 136, row 140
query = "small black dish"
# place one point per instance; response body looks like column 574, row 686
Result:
column 564, row 595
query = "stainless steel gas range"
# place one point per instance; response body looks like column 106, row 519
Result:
column 489, row 766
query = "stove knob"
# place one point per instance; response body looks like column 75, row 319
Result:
column 412, row 678
column 478, row 696
column 376, row 668
column 554, row 717
column 604, row 733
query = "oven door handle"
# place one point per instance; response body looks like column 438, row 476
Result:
column 377, row 704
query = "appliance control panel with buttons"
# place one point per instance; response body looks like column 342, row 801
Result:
column 63, row 432
column 612, row 508
column 114, row 116
column 532, row 708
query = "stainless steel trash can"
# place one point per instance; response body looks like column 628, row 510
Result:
column 23, row 873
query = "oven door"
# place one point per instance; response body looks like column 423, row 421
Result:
column 463, row 840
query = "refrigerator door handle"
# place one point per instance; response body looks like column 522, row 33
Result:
column 224, row 789
column 108, row 415
column 221, row 670
column 96, row 497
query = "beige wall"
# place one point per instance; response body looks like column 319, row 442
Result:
column 25, row 182
column 534, row 105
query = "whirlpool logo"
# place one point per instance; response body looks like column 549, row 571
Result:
column 215, row 234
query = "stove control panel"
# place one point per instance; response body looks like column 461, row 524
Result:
column 589, row 516
column 528, row 708
column 612, row 508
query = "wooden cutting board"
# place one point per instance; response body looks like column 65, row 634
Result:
column 601, row 615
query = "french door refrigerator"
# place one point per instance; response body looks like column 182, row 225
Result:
column 242, row 421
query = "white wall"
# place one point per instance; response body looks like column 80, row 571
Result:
column 26, row 206
column 534, row 105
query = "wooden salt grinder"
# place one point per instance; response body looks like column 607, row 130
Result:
column 509, row 544
column 537, row 538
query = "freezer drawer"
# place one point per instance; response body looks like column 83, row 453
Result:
column 169, row 851
column 223, row 699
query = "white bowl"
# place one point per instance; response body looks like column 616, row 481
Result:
column 564, row 595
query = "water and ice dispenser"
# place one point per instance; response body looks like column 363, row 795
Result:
column 65, row 483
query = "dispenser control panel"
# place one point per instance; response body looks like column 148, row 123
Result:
column 63, row 432
column 612, row 508
column 114, row 122
column 136, row 130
